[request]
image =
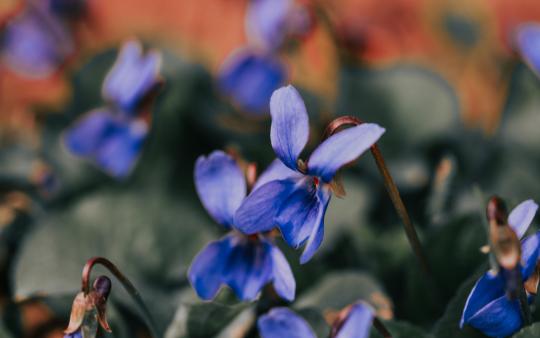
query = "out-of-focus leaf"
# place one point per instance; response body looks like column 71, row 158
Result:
column 400, row 329
column 412, row 103
column 316, row 321
column 150, row 236
column 448, row 325
column 340, row 289
column 529, row 332
column 210, row 319
column 345, row 214
column 454, row 251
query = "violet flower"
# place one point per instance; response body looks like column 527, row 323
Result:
column 282, row 322
column 527, row 41
column 245, row 263
column 250, row 75
column 296, row 197
column 36, row 43
column 112, row 137
column 488, row 308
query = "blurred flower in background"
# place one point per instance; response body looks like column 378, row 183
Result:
column 250, row 75
column 112, row 137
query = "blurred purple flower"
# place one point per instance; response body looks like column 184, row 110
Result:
column 488, row 308
column 76, row 334
column 132, row 77
column 113, row 136
column 245, row 264
column 36, row 42
column 282, row 322
column 296, row 195
column 528, row 44
column 270, row 22
column 249, row 78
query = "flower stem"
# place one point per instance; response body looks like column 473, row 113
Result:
column 381, row 328
column 523, row 303
column 130, row 288
column 392, row 190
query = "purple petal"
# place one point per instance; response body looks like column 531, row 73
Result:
column 358, row 322
column 118, row 153
column 282, row 322
column 301, row 216
column 266, row 22
column 521, row 217
column 258, row 210
column 500, row 318
column 342, row 148
column 528, row 43
column 276, row 171
column 87, row 133
column 76, row 334
column 290, row 125
column 249, row 79
column 249, row 267
column 132, row 77
column 487, row 289
column 284, row 282
column 530, row 252
column 206, row 273
column 298, row 213
column 221, row 186
column 317, row 233
column 36, row 43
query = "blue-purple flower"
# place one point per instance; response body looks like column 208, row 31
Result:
column 244, row 263
column 250, row 75
column 528, row 44
column 488, row 308
column 296, row 196
column 112, row 137
column 76, row 334
column 270, row 22
column 36, row 42
column 282, row 322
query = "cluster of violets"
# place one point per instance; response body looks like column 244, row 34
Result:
column 291, row 195
column 289, row 199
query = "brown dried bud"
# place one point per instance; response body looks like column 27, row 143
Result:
column 96, row 300
column 504, row 240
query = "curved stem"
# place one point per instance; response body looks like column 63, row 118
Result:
column 391, row 188
column 128, row 286
column 381, row 328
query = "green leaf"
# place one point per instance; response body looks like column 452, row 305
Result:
column 448, row 325
column 532, row 331
column 402, row 99
column 316, row 320
column 400, row 329
column 194, row 319
column 337, row 290
column 151, row 236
